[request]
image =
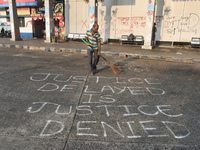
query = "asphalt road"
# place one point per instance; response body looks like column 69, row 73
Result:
column 50, row 101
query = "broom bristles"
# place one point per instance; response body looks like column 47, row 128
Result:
column 115, row 69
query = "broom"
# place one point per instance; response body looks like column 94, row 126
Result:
column 115, row 69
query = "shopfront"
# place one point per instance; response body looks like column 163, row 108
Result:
column 24, row 15
column 38, row 19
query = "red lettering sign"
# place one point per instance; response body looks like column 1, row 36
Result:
column 18, row 1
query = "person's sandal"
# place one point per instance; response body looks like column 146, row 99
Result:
column 92, row 73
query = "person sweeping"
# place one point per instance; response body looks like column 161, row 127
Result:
column 93, row 38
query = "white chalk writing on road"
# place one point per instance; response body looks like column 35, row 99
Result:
column 102, row 99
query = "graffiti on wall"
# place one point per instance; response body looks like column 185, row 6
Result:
column 150, row 9
column 184, row 0
column 173, row 25
column 177, row 24
column 84, row 25
column 125, row 25
column 114, row 26
column 167, row 11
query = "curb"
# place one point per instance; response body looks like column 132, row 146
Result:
column 106, row 53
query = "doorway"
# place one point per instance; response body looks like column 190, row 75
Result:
column 38, row 28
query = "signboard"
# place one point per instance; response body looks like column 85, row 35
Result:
column 91, row 10
column 20, row 11
column 5, row 25
column 17, row 1
column 23, row 11
column 5, row 3
column 58, row 8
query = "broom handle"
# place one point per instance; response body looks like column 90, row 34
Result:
column 93, row 48
column 97, row 52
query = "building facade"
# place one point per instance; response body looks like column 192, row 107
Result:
column 31, row 15
column 24, row 10
column 176, row 20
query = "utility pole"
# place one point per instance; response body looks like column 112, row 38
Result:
column 149, row 24
column 92, row 14
column 49, row 22
column 15, row 33
column 96, row 11
column 67, row 24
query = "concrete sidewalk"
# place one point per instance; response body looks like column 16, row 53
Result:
column 159, row 53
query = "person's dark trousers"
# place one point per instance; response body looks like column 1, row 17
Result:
column 92, row 63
